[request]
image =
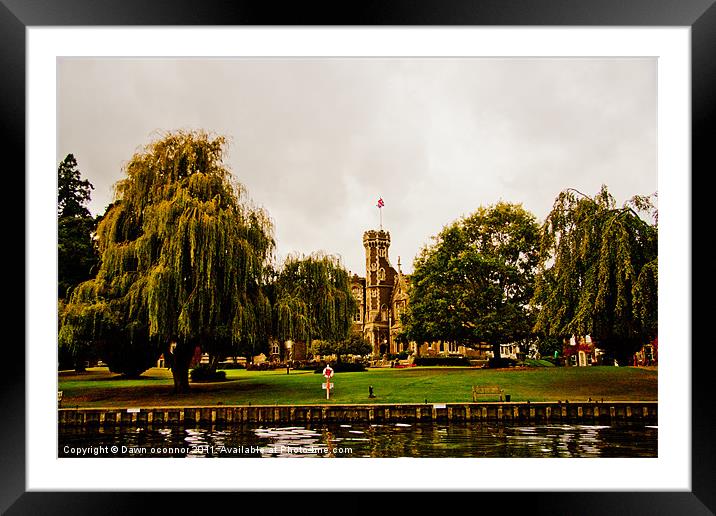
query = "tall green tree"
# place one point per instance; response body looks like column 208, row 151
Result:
column 313, row 299
column 599, row 270
column 474, row 283
column 182, row 262
column 76, row 249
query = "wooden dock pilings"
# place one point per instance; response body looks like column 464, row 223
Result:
column 607, row 412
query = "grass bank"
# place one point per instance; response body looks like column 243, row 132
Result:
column 100, row 388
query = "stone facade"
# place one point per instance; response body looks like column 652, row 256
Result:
column 382, row 296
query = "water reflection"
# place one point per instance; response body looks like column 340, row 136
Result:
column 363, row 440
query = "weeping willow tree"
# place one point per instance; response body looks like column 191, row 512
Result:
column 313, row 300
column 182, row 263
column 599, row 271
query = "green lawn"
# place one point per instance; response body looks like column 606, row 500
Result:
column 99, row 387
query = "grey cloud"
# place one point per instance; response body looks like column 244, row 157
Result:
column 317, row 141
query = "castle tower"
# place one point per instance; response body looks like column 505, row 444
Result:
column 379, row 283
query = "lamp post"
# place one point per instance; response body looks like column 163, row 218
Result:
column 389, row 326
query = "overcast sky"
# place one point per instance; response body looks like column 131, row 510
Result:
column 317, row 141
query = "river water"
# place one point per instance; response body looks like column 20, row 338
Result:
column 363, row 440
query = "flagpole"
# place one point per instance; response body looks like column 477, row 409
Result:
column 380, row 211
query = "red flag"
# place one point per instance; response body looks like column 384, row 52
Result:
column 380, row 203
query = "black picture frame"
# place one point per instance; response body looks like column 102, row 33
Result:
column 699, row 15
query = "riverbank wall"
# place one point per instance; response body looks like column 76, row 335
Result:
column 591, row 412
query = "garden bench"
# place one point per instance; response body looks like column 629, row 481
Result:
column 486, row 390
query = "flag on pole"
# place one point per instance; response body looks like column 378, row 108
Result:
column 380, row 203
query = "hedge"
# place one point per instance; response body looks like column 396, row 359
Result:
column 442, row 361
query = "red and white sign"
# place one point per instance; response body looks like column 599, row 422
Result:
column 328, row 373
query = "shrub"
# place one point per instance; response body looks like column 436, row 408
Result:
column 553, row 361
column 501, row 362
column 203, row 373
column 265, row 366
column 309, row 365
column 231, row 365
column 342, row 367
column 442, row 361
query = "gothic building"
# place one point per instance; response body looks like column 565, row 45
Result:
column 374, row 293
column 382, row 297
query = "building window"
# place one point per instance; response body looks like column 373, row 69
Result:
column 275, row 348
column 374, row 293
column 452, row 347
column 381, row 274
column 373, row 266
column 356, row 317
column 381, row 252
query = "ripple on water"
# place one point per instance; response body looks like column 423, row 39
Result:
column 390, row 440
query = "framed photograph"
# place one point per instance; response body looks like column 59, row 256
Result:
column 359, row 142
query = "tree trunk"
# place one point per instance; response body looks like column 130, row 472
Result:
column 213, row 362
column 80, row 365
column 180, row 367
column 496, row 352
